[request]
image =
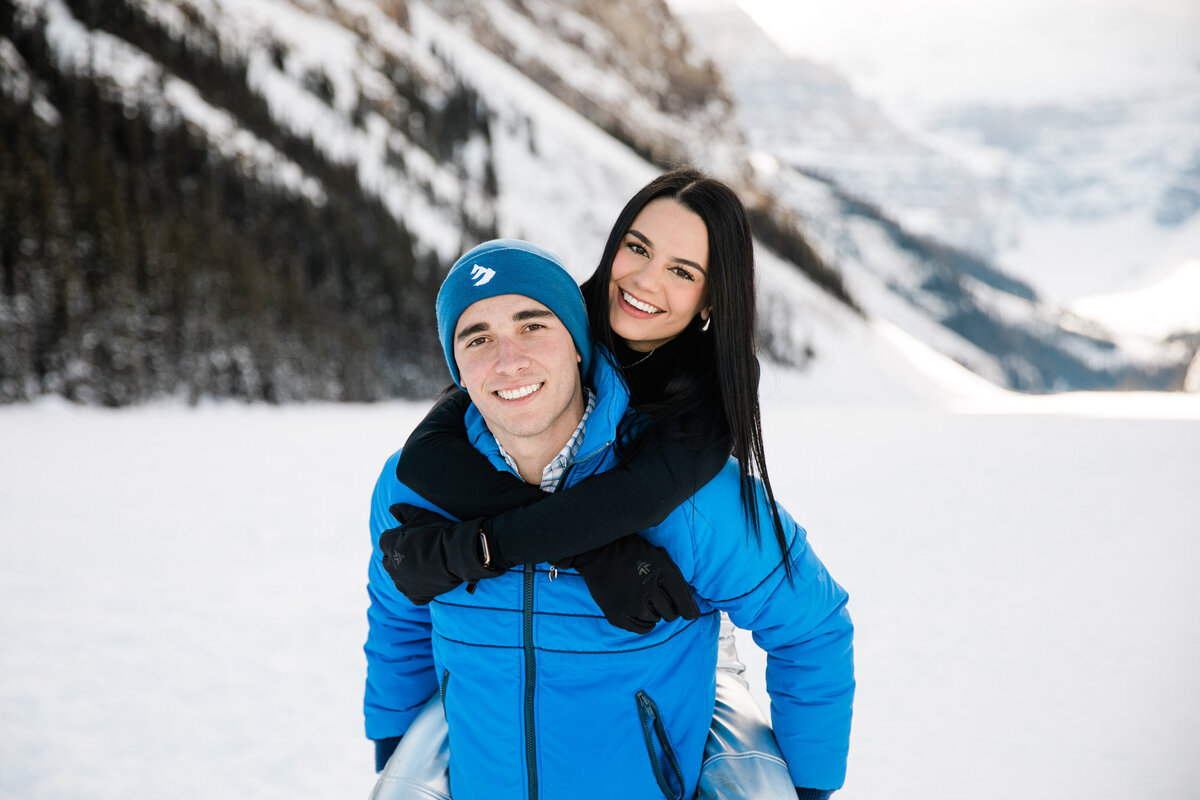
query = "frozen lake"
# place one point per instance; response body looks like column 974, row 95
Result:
column 183, row 601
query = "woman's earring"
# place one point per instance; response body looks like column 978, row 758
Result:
column 707, row 322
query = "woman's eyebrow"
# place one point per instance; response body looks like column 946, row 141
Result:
column 677, row 260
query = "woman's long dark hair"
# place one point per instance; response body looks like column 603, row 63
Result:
column 715, row 373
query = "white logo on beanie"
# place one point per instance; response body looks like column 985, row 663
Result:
column 481, row 274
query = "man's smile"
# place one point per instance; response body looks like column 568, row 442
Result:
column 519, row 392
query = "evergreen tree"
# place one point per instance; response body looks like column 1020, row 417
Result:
column 136, row 262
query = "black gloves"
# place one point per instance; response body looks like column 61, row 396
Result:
column 429, row 555
column 635, row 584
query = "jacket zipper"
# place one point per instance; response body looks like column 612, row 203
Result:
column 652, row 728
column 530, row 680
column 530, row 657
column 581, row 459
column 531, row 661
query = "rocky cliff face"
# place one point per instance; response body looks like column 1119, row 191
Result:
column 626, row 66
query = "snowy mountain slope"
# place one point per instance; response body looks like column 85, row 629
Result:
column 1168, row 310
column 325, row 80
column 627, row 66
column 991, row 324
column 909, row 226
column 808, row 115
column 256, row 199
column 560, row 180
column 1099, row 196
column 460, row 121
column 457, row 121
column 1083, row 145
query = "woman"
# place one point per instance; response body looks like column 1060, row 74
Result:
column 672, row 302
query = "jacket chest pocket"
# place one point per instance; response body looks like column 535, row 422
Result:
column 658, row 748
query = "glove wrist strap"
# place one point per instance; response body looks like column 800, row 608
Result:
column 485, row 551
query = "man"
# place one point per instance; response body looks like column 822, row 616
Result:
column 542, row 696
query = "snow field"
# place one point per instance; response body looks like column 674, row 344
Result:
column 184, row 595
column 1023, row 592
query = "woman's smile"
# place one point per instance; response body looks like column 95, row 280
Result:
column 639, row 305
column 659, row 275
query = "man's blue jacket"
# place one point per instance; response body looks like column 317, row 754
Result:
column 545, row 699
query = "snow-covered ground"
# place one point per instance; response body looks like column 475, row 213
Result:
column 183, row 600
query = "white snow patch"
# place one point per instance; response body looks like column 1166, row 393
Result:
column 1067, row 260
column 237, row 144
column 1170, row 306
column 17, row 83
column 139, row 81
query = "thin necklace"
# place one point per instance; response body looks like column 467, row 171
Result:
column 640, row 360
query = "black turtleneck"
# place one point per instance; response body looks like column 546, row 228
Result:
column 676, row 386
column 646, row 373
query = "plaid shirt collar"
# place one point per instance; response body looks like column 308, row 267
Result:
column 554, row 471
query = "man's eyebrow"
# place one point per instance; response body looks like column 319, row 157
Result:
column 471, row 330
column 646, row 241
column 532, row 313
column 520, row 316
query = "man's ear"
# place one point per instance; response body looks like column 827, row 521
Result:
column 578, row 358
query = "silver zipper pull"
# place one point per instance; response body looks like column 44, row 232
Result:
column 553, row 572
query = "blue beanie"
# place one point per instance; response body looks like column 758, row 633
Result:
column 511, row 266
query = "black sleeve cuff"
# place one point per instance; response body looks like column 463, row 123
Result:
column 383, row 751
column 813, row 794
